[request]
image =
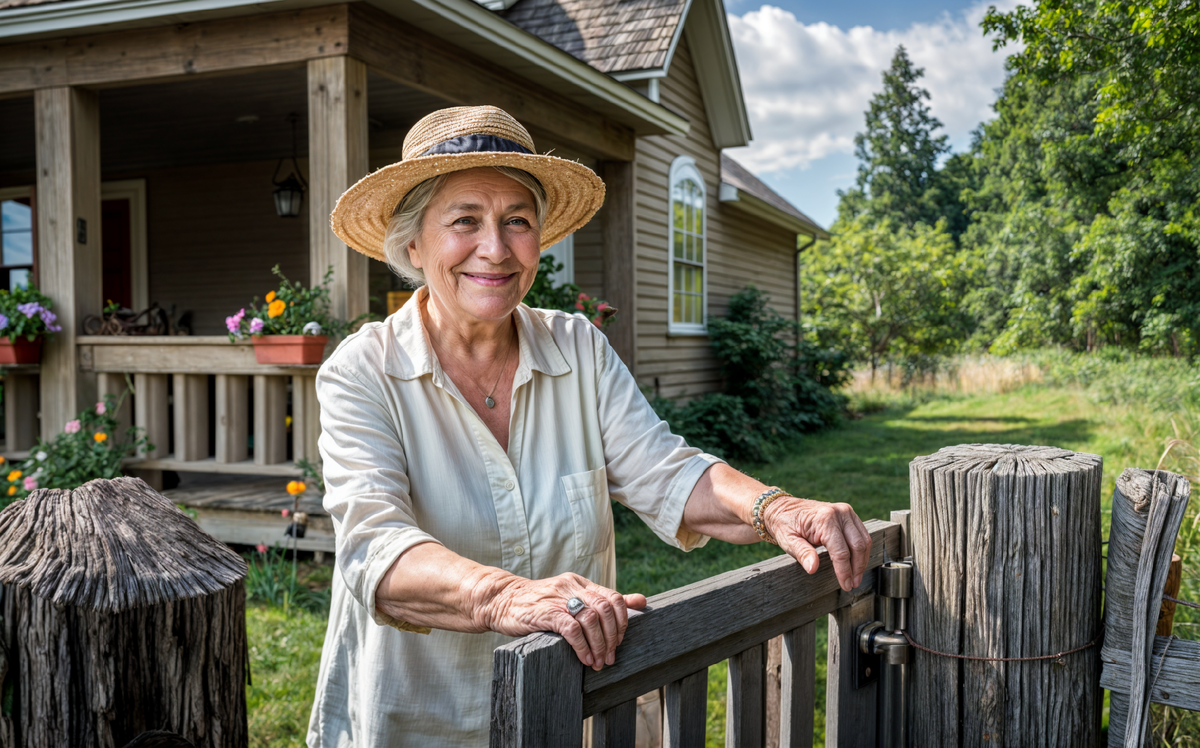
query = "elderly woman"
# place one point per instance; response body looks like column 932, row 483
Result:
column 472, row 445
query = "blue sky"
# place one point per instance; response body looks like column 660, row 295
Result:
column 809, row 70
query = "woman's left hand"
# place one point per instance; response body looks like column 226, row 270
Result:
column 799, row 525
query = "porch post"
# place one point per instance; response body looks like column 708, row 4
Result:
column 337, row 158
column 619, row 237
column 67, row 123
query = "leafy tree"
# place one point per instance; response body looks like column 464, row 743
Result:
column 898, row 151
column 883, row 290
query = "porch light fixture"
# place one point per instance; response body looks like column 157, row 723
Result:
column 289, row 192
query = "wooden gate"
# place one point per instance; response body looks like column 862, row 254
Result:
column 541, row 692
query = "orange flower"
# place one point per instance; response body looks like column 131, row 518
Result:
column 276, row 308
column 12, row 490
column 270, row 296
column 1, row 459
column 99, row 436
column 296, row 487
column 14, row 475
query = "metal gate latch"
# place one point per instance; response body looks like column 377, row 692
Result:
column 883, row 653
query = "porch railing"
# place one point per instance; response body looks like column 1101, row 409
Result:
column 541, row 693
column 206, row 405
column 20, row 410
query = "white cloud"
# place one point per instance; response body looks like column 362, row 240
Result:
column 807, row 86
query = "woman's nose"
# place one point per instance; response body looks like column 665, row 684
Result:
column 491, row 243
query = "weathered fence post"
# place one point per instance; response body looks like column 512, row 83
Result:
column 1148, row 508
column 120, row 617
column 1006, row 541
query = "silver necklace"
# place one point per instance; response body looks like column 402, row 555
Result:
column 488, row 401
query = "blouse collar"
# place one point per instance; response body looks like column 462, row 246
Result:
column 411, row 355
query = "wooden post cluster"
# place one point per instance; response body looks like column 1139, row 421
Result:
column 1006, row 541
column 1139, row 668
column 120, row 616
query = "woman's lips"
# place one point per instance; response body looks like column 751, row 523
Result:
column 490, row 279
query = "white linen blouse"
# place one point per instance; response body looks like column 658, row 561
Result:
column 408, row 461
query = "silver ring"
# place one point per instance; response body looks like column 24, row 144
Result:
column 575, row 606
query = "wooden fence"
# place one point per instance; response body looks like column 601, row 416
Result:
column 541, row 693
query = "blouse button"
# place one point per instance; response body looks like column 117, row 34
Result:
column 509, row 485
column 519, row 550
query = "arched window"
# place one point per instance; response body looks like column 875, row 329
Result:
column 686, row 254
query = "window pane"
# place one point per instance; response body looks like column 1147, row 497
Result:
column 18, row 248
column 689, row 247
column 15, row 215
column 677, row 207
column 695, row 314
column 697, row 281
column 677, row 236
column 677, row 307
column 698, row 215
column 698, row 254
column 18, row 278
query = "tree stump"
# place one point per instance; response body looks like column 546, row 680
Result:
column 1006, row 543
column 120, row 617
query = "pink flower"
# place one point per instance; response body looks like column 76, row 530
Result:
column 72, row 427
column 596, row 321
column 261, row 547
column 583, row 296
column 234, row 323
column 579, row 305
column 256, row 326
column 602, row 306
column 285, row 512
column 30, row 483
column 101, row 409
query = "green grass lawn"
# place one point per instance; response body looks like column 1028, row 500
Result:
column 863, row 462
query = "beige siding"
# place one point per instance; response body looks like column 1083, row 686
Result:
column 589, row 260
column 741, row 249
column 213, row 238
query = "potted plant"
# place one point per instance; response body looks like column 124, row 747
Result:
column 292, row 325
column 25, row 319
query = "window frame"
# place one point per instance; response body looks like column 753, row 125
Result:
column 684, row 168
column 14, row 193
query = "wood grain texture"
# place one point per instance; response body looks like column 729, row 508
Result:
column 232, row 418
column 306, row 419
column 1006, row 541
column 186, row 49
column 1166, row 613
column 190, row 402
column 774, row 691
column 618, row 222
column 270, row 420
column 20, row 412
column 161, row 354
column 616, row 727
column 67, row 122
column 849, row 713
column 151, row 412
column 337, row 158
column 537, row 699
column 745, row 713
column 1148, row 508
column 685, row 706
column 415, row 59
column 798, row 687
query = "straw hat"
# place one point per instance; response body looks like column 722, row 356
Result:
column 463, row 138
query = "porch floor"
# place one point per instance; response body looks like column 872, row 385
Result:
column 247, row 511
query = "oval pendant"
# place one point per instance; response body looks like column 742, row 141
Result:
column 488, row 401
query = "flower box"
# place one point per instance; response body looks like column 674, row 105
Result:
column 290, row 350
column 20, row 351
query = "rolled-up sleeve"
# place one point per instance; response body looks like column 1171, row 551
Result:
column 650, row 470
column 366, row 485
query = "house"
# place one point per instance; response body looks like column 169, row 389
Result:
column 143, row 141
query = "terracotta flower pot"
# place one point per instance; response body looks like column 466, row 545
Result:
column 20, row 351
column 290, row 350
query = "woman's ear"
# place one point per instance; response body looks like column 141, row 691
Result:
column 413, row 255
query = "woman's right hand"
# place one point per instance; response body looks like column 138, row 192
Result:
column 524, row 606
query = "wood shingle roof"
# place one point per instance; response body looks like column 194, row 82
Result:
column 613, row 36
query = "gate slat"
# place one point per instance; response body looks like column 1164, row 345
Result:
column 617, row 727
column 537, row 694
column 798, row 687
column 685, row 710
column 849, row 714
column 745, row 723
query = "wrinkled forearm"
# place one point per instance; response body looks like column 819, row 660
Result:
column 719, row 505
column 430, row 585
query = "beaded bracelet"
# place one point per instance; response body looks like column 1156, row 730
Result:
column 760, row 507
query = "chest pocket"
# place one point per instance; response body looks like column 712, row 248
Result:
column 591, row 512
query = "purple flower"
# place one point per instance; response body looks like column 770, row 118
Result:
column 256, row 326
column 3, row 322
column 29, row 309
column 47, row 316
column 72, row 427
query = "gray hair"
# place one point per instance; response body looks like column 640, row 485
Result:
column 405, row 224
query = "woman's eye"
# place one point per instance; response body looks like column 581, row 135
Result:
column 463, row 221
column 520, row 221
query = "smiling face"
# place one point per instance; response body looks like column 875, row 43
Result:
column 479, row 246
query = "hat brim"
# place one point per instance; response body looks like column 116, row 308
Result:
column 360, row 219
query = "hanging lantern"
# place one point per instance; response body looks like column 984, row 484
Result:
column 289, row 192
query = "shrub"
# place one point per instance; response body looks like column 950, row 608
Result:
column 774, row 389
column 567, row 297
